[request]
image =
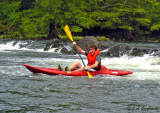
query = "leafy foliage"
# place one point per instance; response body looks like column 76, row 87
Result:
column 128, row 19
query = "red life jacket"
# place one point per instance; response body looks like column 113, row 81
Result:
column 92, row 59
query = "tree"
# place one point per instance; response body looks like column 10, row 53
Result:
column 123, row 19
column 26, row 4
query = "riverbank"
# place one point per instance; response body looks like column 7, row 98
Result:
column 64, row 37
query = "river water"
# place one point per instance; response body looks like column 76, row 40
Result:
column 23, row 91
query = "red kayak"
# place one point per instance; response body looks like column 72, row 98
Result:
column 55, row 71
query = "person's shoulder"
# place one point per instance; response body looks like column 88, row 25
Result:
column 86, row 53
column 98, row 58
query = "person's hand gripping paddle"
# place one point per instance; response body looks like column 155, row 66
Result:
column 68, row 32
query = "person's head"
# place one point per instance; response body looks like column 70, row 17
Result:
column 93, row 48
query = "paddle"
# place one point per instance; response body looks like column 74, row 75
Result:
column 68, row 32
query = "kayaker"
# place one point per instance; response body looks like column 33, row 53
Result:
column 93, row 57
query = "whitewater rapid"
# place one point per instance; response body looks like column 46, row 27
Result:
column 146, row 67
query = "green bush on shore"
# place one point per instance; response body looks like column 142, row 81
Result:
column 74, row 37
column 120, row 19
column 1, row 36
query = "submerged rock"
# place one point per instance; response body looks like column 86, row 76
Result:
column 54, row 43
column 156, row 52
column 111, row 49
column 117, row 51
column 67, row 51
column 85, row 42
column 14, row 43
column 25, row 44
column 141, row 52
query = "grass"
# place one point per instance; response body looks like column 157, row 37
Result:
column 35, row 36
column 102, row 38
column 74, row 37
column 1, row 36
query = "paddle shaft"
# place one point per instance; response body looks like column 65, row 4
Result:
column 89, row 75
column 80, row 56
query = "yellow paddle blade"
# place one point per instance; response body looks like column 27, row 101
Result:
column 89, row 75
column 68, row 32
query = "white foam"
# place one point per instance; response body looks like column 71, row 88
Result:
column 145, row 63
column 144, row 68
column 10, row 46
column 13, row 45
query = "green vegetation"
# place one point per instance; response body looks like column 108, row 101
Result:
column 66, row 38
column 128, row 20
column 1, row 36
column 102, row 38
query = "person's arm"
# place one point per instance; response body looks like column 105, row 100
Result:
column 94, row 65
column 78, row 48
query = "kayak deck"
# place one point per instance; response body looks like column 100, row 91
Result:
column 55, row 71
